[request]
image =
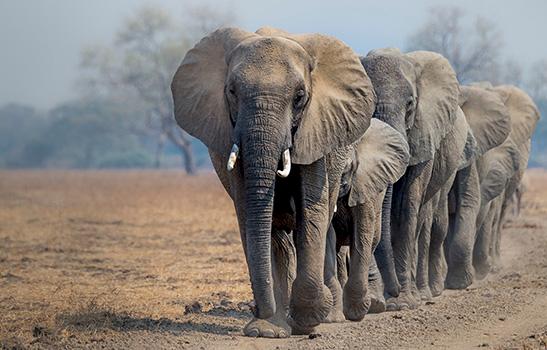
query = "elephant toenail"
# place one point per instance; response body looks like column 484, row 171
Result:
column 253, row 332
column 268, row 333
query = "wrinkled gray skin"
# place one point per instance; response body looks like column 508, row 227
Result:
column 457, row 149
column 500, row 172
column 379, row 159
column 418, row 96
column 267, row 92
column 490, row 122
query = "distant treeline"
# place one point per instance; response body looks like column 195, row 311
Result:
column 102, row 134
column 83, row 134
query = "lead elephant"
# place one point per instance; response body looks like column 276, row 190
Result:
column 278, row 113
column 418, row 96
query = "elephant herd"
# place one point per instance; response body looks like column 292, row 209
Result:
column 360, row 184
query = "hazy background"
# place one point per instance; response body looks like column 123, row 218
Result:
column 68, row 96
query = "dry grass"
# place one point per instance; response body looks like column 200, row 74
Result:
column 89, row 251
column 153, row 259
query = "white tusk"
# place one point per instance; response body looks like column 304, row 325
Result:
column 286, row 160
column 335, row 208
column 232, row 158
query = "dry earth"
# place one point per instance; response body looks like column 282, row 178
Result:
column 153, row 260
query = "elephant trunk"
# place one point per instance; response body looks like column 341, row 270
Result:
column 261, row 151
column 390, row 114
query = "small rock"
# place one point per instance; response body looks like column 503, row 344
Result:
column 398, row 317
column 484, row 345
column 429, row 302
column 503, row 318
column 194, row 308
column 314, row 335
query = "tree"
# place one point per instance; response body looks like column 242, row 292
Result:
column 473, row 48
column 138, row 67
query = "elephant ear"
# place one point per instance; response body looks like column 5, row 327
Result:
column 499, row 164
column 470, row 149
column 523, row 112
column 487, row 116
column 198, row 89
column 382, row 156
column 438, row 92
column 342, row 98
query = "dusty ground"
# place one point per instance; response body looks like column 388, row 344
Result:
column 153, row 260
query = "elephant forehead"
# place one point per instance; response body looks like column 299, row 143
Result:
column 278, row 59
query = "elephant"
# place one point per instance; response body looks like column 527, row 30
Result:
column 279, row 114
column 379, row 159
column 417, row 94
column 500, row 171
column 456, row 150
column 490, row 123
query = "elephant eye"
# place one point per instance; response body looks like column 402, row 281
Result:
column 410, row 102
column 299, row 99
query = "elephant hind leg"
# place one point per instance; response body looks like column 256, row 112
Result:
column 283, row 266
column 424, row 242
column 481, row 251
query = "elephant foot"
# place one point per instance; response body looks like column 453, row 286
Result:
column 377, row 304
column 377, row 300
column 309, row 310
column 459, row 278
column 404, row 301
column 275, row 327
column 356, row 304
column 482, row 268
column 425, row 293
column 436, row 288
column 335, row 316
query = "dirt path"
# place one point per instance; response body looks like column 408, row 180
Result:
column 151, row 260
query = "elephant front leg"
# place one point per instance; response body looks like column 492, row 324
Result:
column 356, row 299
column 439, row 230
column 331, row 279
column 407, row 200
column 424, row 245
column 311, row 300
column 463, row 227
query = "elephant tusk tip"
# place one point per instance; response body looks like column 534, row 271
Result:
column 284, row 172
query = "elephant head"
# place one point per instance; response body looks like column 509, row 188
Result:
column 487, row 115
column 265, row 98
column 382, row 156
column 417, row 94
column 499, row 164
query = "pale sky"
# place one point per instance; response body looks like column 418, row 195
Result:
column 41, row 40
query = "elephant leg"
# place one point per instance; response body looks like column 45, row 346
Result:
column 311, row 300
column 383, row 253
column 331, row 279
column 481, row 249
column 496, row 233
column 342, row 263
column 407, row 199
column 439, row 231
column 424, row 239
column 461, row 238
column 376, row 289
column 356, row 300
